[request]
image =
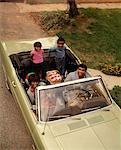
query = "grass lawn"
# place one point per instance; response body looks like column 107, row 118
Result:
column 94, row 35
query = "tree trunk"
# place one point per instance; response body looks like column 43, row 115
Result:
column 73, row 10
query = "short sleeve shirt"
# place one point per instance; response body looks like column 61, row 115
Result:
column 37, row 56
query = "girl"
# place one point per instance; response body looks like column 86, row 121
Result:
column 37, row 58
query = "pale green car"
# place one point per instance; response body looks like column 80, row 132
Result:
column 73, row 115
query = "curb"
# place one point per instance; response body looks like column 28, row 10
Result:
column 53, row 7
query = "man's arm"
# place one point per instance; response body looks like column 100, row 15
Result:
column 52, row 49
column 68, row 78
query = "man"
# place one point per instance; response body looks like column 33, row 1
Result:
column 78, row 74
column 59, row 50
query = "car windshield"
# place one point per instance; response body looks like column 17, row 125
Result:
column 71, row 98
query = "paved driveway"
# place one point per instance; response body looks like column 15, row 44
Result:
column 16, row 25
column 14, row 134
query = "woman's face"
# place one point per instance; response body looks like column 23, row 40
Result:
column 53, row 77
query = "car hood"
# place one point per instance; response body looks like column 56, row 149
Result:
column 97, row 131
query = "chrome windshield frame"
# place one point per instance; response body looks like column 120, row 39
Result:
column 66, row 84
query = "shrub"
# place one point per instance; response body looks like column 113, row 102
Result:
column 112, row 69
column 116, row 94
column 55, row 20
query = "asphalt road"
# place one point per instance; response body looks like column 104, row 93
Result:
column 14, row 134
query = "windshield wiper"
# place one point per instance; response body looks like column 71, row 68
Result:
column 60, row 116
column 89, row 109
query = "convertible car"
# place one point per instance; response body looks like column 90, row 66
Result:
column 73, row 115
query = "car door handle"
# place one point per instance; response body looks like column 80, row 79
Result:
column 14, row 84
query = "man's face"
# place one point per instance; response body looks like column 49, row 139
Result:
column 60, row 44
column 81, row 72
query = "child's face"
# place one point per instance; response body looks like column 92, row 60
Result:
column 60, row 44
column 37, row 48
column 34, row 84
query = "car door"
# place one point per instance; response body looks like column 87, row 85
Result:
column 16, row 87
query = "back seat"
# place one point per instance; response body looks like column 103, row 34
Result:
column 23, row 64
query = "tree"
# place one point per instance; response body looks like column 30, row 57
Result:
column 73, row 10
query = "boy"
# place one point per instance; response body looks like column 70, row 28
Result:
column 60, row 52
